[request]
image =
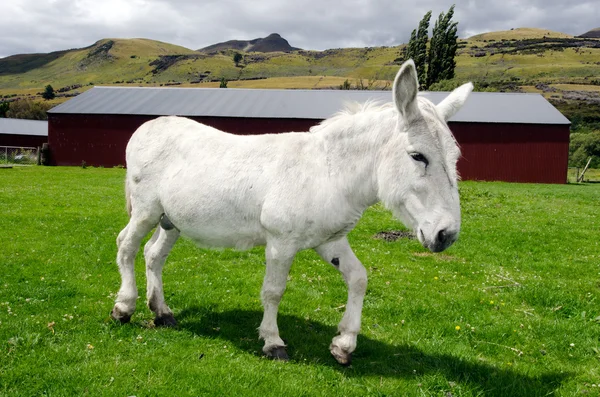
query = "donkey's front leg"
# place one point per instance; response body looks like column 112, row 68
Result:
column 340, row 255
column 279, row 260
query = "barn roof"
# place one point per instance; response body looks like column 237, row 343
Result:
column 483, row 107
column 23, row 127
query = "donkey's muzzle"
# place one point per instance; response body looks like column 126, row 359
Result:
column 443, row 239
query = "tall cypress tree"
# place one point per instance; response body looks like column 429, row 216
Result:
column 449, row 53
column 442, row 49
column 438, row 63
column 420, row 57
column 417, row 47
column 411, row 47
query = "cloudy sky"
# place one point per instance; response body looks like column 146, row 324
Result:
column 30, row 26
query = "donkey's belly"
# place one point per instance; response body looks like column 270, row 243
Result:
column 238, row 239
column 218, row 225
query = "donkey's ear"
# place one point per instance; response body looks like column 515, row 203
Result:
column 454, row 101
column 406, row 86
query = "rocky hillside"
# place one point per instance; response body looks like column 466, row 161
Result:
column 272, row 43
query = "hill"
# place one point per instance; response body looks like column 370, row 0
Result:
column 108, row 61
column 592, row 34
column 560, row 66
column 518, row 34
column 272, row 43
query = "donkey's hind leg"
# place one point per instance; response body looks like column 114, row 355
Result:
column 340, row 255
column 155, row 253
column 279, row 260
column 128, row 243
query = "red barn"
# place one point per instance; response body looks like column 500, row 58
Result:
column 503, row 137
column 23, row 133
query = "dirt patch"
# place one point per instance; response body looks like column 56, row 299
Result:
column 393, row 235
column 442, row 257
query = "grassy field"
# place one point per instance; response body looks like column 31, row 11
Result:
column 512, row 309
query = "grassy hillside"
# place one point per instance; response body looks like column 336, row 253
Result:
column 108, row 61
column 519, row 34
column 562, row 67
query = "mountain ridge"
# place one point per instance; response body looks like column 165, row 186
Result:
column 272, row 43
column 591, row 34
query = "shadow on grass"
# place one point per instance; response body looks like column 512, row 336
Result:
column 308, row 343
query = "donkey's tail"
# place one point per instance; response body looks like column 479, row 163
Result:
column 128, row 197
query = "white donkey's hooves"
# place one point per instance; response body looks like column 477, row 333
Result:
column 120, row 316
column 277, row 353
column 165, row 320
column 341, row 356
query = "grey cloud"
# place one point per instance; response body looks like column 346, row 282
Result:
column 43, row 26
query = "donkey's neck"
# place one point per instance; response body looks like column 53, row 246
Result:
column 353, row 144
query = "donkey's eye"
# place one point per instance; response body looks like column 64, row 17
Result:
column 420, row 158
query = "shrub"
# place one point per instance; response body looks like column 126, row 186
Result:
column 582, row 147
column 345, row 85
column 27, row 109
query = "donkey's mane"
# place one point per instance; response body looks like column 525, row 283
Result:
column 352, row 108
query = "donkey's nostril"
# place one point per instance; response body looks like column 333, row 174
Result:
column 442, row 236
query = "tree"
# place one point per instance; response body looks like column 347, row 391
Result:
column 437, row 63
column 237, row 58
column 48, row 93
column 582, row 147
column 223, row 83
column 411, row 47
column 442, row 49
column 417, row 47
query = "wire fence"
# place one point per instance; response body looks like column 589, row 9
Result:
column 592, row 175
column 13, row 155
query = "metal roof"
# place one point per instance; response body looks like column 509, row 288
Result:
column 23, row 127
column 485, row 107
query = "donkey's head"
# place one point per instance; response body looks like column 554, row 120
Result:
column 417, row 175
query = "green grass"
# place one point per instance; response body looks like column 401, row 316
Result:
column 522, row 283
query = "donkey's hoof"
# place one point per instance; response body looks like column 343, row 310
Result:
column 165, row 320
column 277, row 353
column 341, row 356
column 118, row 315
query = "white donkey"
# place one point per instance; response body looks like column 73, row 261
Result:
column 290, row 192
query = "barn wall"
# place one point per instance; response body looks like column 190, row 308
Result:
column 100, row 140
column 22, row 140
column 490, row 152
column 513, row 152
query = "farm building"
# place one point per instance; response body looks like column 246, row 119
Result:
column 23, row 133
column 503, row 137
